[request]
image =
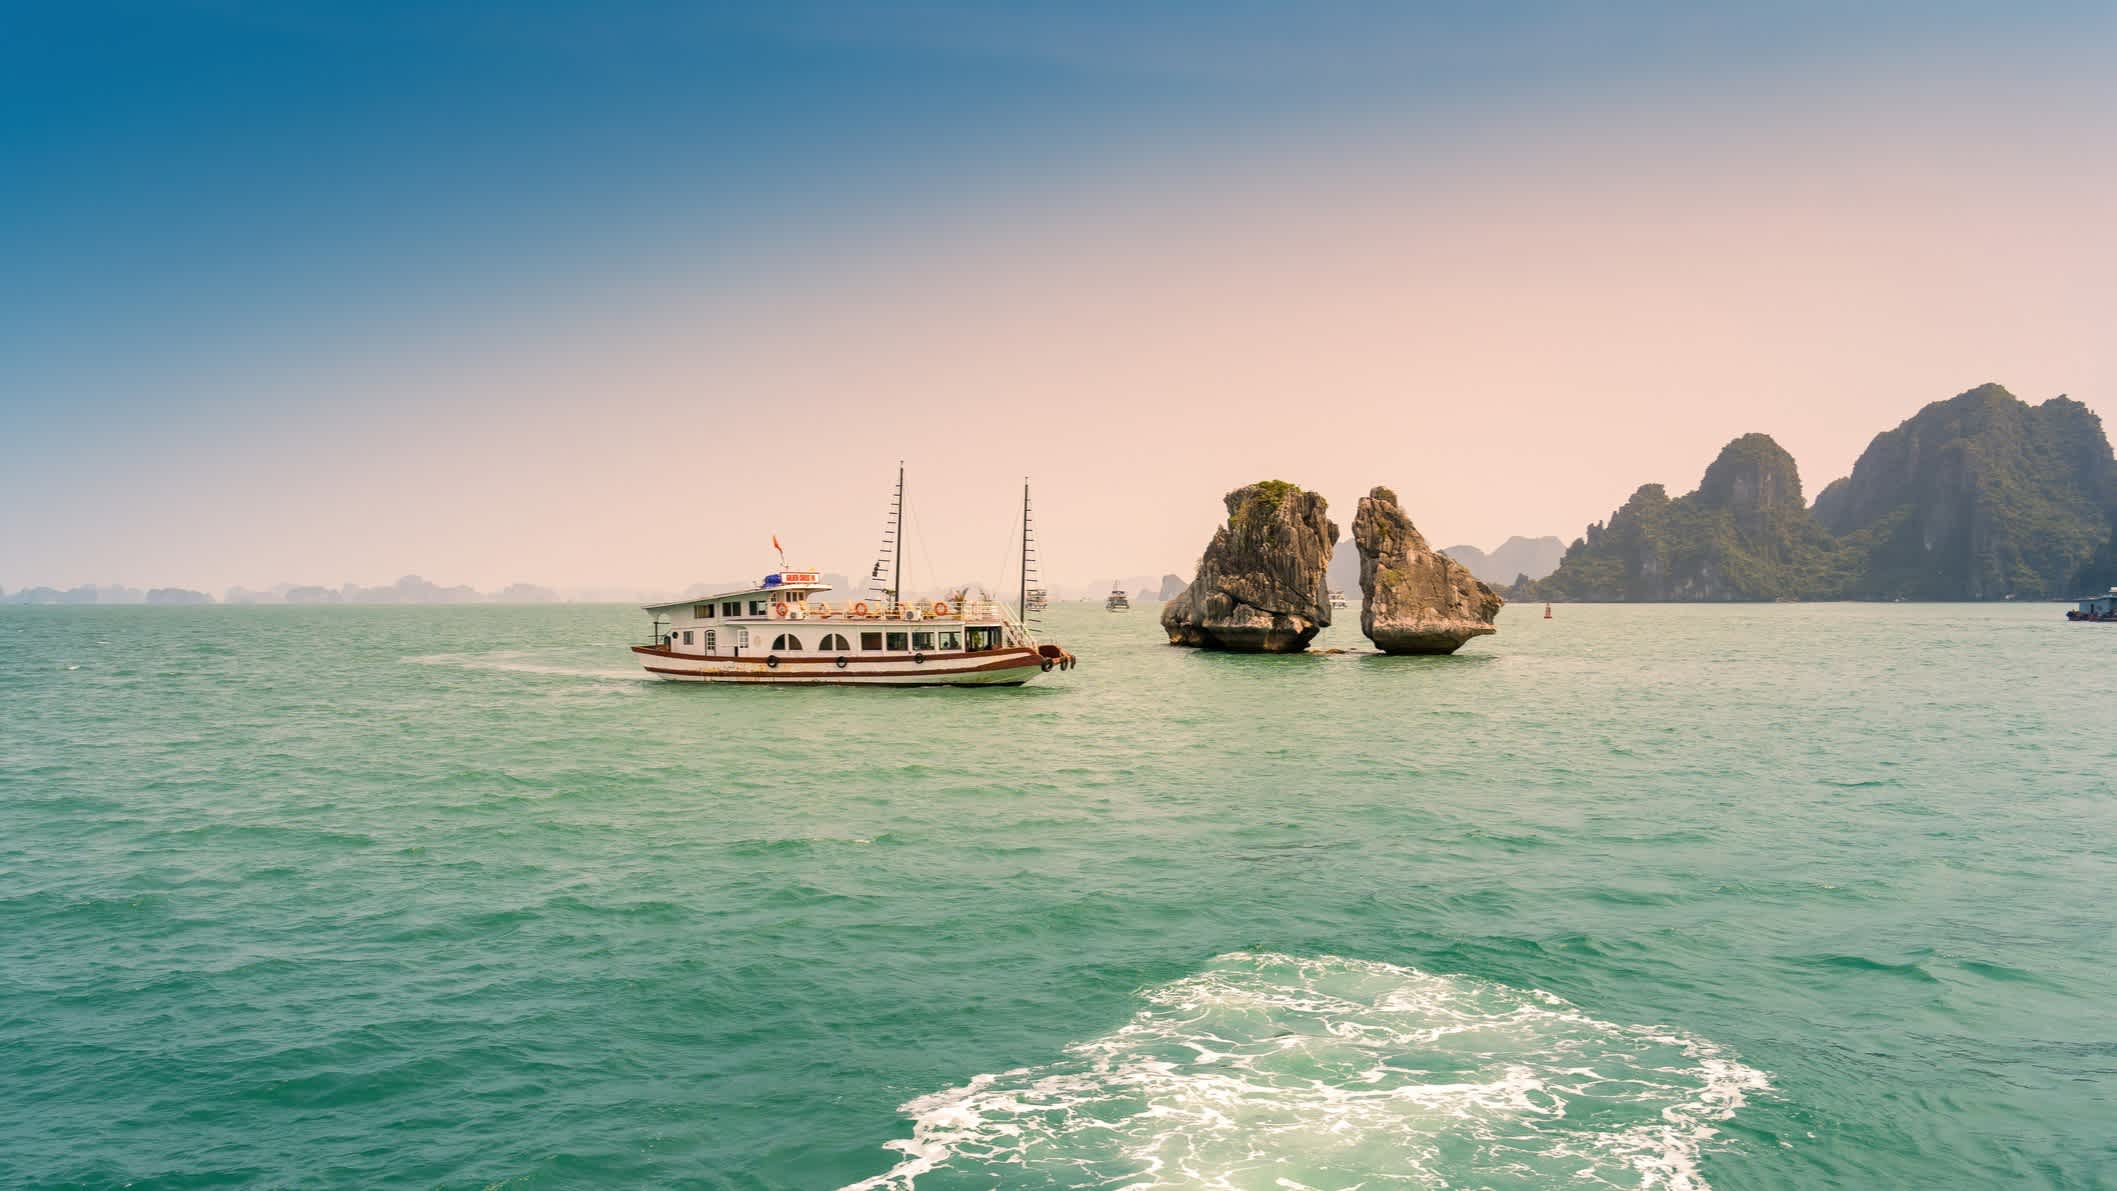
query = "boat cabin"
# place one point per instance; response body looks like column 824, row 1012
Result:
column 2102, row 607
column 785, row 616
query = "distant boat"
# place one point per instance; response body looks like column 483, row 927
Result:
column 1117, row 601
column 1037, row 599
column 1337, row 598
column 2100, row 609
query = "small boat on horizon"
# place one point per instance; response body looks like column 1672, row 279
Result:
column 1118, row 601
column 1337, row 598
column 779, row 631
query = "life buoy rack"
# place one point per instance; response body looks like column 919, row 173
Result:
column 822, row 611
column 781, row 609
column 940, row 607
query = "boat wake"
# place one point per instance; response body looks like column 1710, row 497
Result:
column 1271, row 1070
column 523, row 661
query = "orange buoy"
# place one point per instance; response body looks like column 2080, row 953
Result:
column 860, row 608
column 781, row 610
column 940, row 607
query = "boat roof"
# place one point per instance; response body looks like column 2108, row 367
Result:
column 776, row 581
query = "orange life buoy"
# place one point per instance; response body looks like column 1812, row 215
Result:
column 940, row 607
column 860, row 608
column 781, row 610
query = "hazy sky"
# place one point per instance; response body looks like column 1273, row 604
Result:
column 609, row 294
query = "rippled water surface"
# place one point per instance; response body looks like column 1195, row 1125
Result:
column 1638, row 897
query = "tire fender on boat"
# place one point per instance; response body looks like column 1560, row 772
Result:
column 772, row 662
column 841, row 662
column 918, row 659
column 1048, row 663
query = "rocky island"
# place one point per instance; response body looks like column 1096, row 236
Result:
column 1414, row 599
column 1261, row 585
column 1979, row 497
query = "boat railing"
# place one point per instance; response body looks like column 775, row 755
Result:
column 941, row 610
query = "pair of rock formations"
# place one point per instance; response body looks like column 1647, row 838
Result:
column 1262, row 584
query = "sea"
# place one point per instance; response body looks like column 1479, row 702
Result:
column 1755, row 896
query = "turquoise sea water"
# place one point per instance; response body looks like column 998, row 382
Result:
column 1748, row 897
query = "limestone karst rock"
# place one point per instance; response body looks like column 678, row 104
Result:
column 1979, row 497
column 1260, row 586
column 1415, row 599
column 1744, row 534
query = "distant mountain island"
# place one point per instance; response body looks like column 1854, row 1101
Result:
column 1979, row 497
column 411, row 589
column 1515, row 559
column 89, row 593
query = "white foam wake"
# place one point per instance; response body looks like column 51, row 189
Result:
column 1274, row 1071
column 523, row 661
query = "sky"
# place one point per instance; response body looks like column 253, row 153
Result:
column 609, row 295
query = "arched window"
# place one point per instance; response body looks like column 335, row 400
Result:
column 835, row 643
column 785, row 641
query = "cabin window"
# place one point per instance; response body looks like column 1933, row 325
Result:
column 900, row 641
column 988, row 638
column 731, row 608
column 687, row 636
column 870, row 640
column 702, row 612
column 951, row 640
column 786, row 641
column 834, row 643
column 922, row 641
column 709, row 640
column 757, row 607
column 742, row 638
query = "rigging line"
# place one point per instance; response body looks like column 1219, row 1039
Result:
column 925, row 548
column 1008, row 546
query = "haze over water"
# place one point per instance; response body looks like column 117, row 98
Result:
column 1748, row 897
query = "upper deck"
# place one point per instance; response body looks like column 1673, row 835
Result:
column 792, row 595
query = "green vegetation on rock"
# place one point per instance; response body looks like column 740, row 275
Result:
column 1979, row 497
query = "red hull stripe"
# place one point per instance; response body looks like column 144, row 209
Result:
column 1011, row 653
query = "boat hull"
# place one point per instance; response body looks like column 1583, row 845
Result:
column 1012, row 666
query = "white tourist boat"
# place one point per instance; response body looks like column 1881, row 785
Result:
column 1118, row 601
column 1337, row 598
column 783, row 630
